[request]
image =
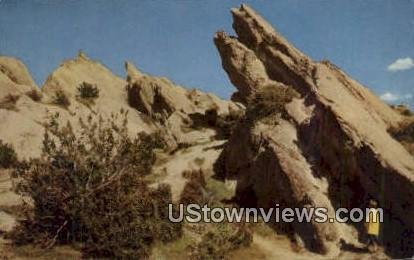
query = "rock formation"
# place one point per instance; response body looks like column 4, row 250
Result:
column 174, row 107
column 332, row 149
column 156, row 98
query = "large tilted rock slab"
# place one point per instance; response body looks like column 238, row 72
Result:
column 334, row 151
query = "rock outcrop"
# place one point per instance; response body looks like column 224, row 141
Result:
column 332, row 149
column 22, row 117
column 173, row 106
column 14, row 77
column 16, row 71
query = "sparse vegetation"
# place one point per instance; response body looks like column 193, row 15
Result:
column 8, row 156
column 404, row 133
column 223, row 124
column 402, row 109
column 89, row 189
column 211, row 116
column 270, row 101
column 221, row 239
column 199, row 161
column 61, row 99
column 9, row 102
column 35, row 95
column 88, row 91
column 194, row 190
column 227, row 123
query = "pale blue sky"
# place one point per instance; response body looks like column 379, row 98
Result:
column 174, row 38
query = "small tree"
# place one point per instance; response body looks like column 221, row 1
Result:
column 220, row 240
column 270, row 100
column 89, row 188
column 195, row 188
column 8, row 156
column 88, row 91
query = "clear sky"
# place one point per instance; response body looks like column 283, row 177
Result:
column 372, row 40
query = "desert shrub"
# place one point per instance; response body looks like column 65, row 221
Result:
column 211, row 116
column 89, row 188
column 222, row 239
column 9, row 102
column 402, row 109
column 194, row 189
column 35, row 95
column 270, row 101
column 8, row 157
column 225, row 124
column 199, row 161
column 88, row 91
column 61, row 99
column 404, row 133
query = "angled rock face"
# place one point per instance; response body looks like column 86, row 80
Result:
column 331, row 150
column 171, row 105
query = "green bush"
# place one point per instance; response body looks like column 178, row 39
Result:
column 226, row 124
column 61, row 99
column 194, row 190
column 404, row 133
column 8, row 157
column 211, row 116
column 270, row 101
column 220, row 240
column 88, row 91
column 89, row 188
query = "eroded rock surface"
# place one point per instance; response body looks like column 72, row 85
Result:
column 173, row 106
column 160, row 105
column 332, row 150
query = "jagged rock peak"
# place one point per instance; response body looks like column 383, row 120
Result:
column 252, row 30
column 260, row 54
column 82, row 56
column 132, row 72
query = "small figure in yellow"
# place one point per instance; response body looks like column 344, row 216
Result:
column 373, row 226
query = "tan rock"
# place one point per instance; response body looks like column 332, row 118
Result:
column 333, row 151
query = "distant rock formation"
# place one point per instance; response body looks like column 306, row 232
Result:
column 21, row 115
column 333, row 149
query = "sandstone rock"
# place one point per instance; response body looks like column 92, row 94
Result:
column 14, row 78
column 158, row 98
column 157, row 95
column 16, row 71
column 332, row 151
column 171, row 105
